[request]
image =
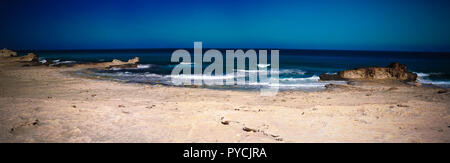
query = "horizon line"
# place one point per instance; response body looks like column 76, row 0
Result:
column 288, row 49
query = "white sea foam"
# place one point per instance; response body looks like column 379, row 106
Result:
column 284, row 71
column 143, row 66
column 252, row 71
column 59, row 62
column 115, row 69
column 204, row 77
column 153, row 75
column 186, row 63
column 292, row 71
column 312, row 85
column 312, row 78
column 420, row 74
column 421, row 78
column 42, row 61
column 263, row 65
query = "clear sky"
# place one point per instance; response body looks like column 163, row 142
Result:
column 408, row 25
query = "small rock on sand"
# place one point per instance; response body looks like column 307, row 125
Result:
column 246, row 129
column 392, row 89
column 225, row 122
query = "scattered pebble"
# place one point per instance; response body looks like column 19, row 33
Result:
column 36, row 122
column 401, row 105
column 249, row 129
column 225, row 122
column 73, row 106
column 442, row 91
column 149, row 107
column 121, row 106
column 392, row 88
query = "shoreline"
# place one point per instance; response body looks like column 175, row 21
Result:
column 42, row 104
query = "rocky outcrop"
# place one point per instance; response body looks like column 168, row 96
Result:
column 30, row 57
column 7, row 53
column 394, row 71
column 131, row 63
column 135, row 60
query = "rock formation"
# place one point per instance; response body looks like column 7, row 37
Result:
column 30, row 57
column 135, row 60
column 394, row 71
column 7, row 53
column 131, row 63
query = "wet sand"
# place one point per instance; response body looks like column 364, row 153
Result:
column 46, row 104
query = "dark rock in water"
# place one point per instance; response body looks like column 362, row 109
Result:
column 394, row 71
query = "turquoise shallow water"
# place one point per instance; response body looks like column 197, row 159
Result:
column 298, row 69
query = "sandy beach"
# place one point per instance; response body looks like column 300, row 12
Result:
column 49, row 104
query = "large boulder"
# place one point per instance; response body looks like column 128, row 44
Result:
column 7, row 53
column 394, row 71
column 30, row 57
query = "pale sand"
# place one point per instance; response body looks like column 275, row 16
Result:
column 42, row 104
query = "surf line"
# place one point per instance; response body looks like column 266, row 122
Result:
column 182, row 57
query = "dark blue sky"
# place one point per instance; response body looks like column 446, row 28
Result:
column 320, row 24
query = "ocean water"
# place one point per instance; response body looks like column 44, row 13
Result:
column 299, row 70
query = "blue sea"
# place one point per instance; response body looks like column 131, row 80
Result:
column 299, row 69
